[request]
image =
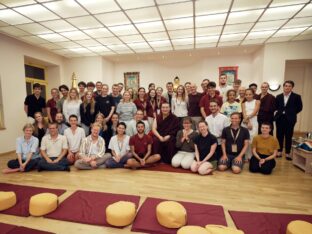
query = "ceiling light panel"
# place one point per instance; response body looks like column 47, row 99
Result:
column 140, row 45
column 132, row 38
column 66, row 8
column 98, row 32
column 16, row 3
column 123, row 30
column 98, row 48
column 165, row 48
column 80, row 50
column 232, row 37
column 244, row 16
column 172, row 11
column 33, row 40
column 204, row 7
column 131, row 4
column 210, row 20
column 261, row 34
column 11, row 17
column 143, row 15
column 208, row 31
column 253, row 42
column 37, row 12
column 158, row 36
column 228, row 43
column 85, row 22
column 125, row 52
column 268, row 25
column 96, row 6
column 289, row 32
column 287, row 2
column 34, row 28
column 75, row 35
column 113, row 18
column 280, row 12
column 118, row 47
column 53, row 37
column 58, row 25
column 307, row 11
column 88, row 43
column 183, row 47
column 299, row 22
column 242, row 5
column 183, row 41
column 207, row 40
column 149, row 27
column 278, row 39
column 156, row 44
column 50, row 46
column 146, row 50
column 110, row 41
column 176, row 24
column 181, row 33
column 160, row 2
column 67, row 44
column 11, row 30
column 237, row 28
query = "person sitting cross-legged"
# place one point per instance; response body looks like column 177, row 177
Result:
column 234, row 143
column 205, row 146
column 264, row 149
column 53, row 151
column 92, row 151
column 141, row 147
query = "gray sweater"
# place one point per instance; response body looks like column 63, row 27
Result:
column 186, row 146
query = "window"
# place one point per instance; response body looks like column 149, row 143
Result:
column 35, row 74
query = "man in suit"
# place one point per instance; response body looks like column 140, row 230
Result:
column 169, row 94
column 288, row 105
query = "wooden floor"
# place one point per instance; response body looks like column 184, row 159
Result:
column 287, row 190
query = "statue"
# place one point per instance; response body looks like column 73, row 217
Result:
column 74, row 81
column 176, row 83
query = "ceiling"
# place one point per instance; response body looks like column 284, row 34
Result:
column 75, row 28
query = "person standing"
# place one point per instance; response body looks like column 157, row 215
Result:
column 71, row 105
column 52, row 105
column 193, row 107
column 179, row 103
column 267, row 107
column 87, row 111
column 205, row 100
column 82, row 87
column 141, row 102
column 116, row 94
column 126, row 109
column 105, row 104
column 288, row 105
column 223, row 87
column 64, row 91
column 169, row 94
column 34, row 102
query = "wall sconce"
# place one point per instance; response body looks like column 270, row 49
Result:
column 274, row 86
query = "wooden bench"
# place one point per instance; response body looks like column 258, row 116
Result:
column 302, row 159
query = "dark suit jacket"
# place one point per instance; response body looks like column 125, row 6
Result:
column 292, row 108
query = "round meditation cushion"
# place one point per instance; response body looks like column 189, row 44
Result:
column 219, row 229
column 299, row 227
column 7, row 200
column 120, row 213
column 42, row 204
column 192, row 230
column 171, row 214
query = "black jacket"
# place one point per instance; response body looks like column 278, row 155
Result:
column 292, row 108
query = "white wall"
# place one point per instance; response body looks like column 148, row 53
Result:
column 13, row 85
column 188, row 69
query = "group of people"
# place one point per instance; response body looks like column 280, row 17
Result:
column 222, row 127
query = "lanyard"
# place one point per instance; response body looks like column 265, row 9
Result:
column 235, row 138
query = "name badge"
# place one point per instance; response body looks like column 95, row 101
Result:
column 158, row 111
column 234, row 148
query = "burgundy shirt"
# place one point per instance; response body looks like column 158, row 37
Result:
column 53, row 108
column 193, row 105
column 204, row 102
column 140, row 144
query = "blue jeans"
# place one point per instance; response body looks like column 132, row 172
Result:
column 62, row 165
column 111, row 163
column 31, row 165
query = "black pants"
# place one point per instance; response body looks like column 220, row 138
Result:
column 218, row 152
column 31, row 165
column 62, row 165
column 266, row 168
column 284, row 129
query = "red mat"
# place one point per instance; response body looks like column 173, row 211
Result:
column 23, row 195
column 12, row 229
column 89, row 207
column 198, row 214
column 265, row 223
column 167, row 168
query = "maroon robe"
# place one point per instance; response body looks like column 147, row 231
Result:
column 266, row 110
column 167, row 126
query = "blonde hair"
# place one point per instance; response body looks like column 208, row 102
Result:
column 85, row 102
column 44, row 123
column 102, row 125
column 77, row 94
column 28, row 125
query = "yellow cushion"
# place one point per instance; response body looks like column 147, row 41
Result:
column 7, row 200
column 299, row 227
column 192, row 230
column 219, row 229
column 171, row 214
column 120, row 213
column 42, row 204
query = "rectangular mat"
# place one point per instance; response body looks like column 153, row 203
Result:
column 89, row 207
column 12, row 229
column 265, row 223
column 23, row 195
column 197, row 214
column 167, row 168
